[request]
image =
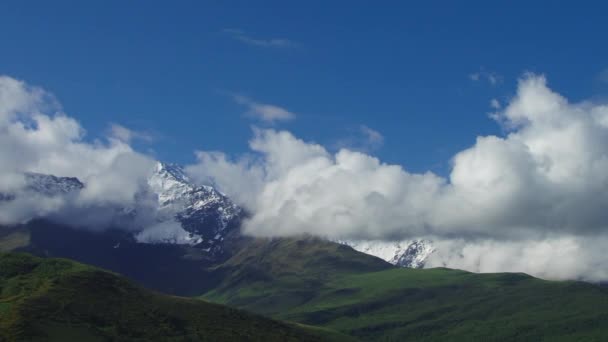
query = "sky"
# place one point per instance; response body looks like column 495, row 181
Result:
column 482, row 128
column 421, row 74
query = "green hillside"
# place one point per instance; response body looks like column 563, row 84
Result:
column 327, row 285
column 61, row 300
column 305, row 280
column 271, row 276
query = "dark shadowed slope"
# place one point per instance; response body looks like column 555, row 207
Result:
column 169, row 268
column 319, row 283
column 60, row 300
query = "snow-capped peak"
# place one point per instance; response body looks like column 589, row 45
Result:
column 171, row 184
column 45, row 185
column 185, row 213
column 201, row 210
column 173, row 171
column 49, row 185
column 407, row 253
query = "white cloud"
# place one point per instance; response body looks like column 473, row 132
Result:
column 373, row 138
column 126, row 135
column 545, row 182
column 36, row 136
column 166, row 232
column 265, row 112
column 494, row 103
column 270, row 42
column 558, row 258
column 533, row 200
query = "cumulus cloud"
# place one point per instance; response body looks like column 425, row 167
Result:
column 544, row 183
column 243, row 37
column 306, row 189
column 267, row 113
column 36, row 136
column 558, row 258
column 532, row 200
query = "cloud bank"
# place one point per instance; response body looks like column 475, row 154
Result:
column 36, row 136
column 541, row 187
column 530, row 201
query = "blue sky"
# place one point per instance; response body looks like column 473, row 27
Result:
column 177, row 70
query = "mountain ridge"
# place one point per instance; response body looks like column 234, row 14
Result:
column 385, row 302
column 59, row 300
column 201, row 216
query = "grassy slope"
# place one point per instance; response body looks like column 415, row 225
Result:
column 272, row 276
column 60, row 300
column 335, row 287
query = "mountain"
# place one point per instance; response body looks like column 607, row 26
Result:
column 408, row 253
column 185, row 213
column 60, row 300
column 268, row 275
column 46, row 185
column 202, row 217
column 325, row 284
column 50, row 185
column 303, row 279
column 207, row 215
column 195, row 228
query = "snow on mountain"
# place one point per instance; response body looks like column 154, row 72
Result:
column 204, row 214
column 178, row 195
column 49, row 185
column 185, row 213
column 407, row 253
column 46, row 185
column 201, row 216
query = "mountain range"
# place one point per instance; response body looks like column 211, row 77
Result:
column 208, row 219
column 296, row 289
column 61, row 300
column 223, row 285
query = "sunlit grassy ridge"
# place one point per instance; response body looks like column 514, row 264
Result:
column 60, row 300
column 320, row 283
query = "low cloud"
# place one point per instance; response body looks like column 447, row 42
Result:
column 267, row 113
column 544, row 182
column 37, row 136
column 532, row 200
column 166, row 232
column 558, row 258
